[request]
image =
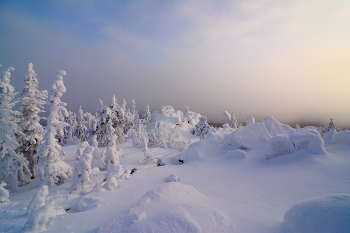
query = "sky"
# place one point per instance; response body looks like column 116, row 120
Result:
column 289, row 59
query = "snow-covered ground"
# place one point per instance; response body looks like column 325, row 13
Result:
column 218, row 188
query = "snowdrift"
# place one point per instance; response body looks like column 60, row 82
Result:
column 256, row 134
column 341, row 137
column 321, row 214
column 173, row 207
column 291, row 141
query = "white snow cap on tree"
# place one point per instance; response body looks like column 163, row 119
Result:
column 81, row 149
column 111, row 153
column 51, row 169
column 83, row 170
column 4, row 194
column 202, row 128
column 96, row 155
column 32, row 101
column 38, row 200
column 15, row 167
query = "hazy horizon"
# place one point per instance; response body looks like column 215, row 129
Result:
column 286, row 59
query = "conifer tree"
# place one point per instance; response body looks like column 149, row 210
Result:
column 14, row 166
column 202, row 128
column 32, row 101
column 81, row 126
column 51, row 168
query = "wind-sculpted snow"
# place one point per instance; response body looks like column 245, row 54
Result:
column 256, row 134
column 291, row 141
column 321, row 214
column 341, row 137
column 173, row 207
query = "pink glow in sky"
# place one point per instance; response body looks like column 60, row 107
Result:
column 287, row 59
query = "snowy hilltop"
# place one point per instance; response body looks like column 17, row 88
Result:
column 164, row 171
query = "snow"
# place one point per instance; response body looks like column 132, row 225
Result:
column 218, row 188
column 341, row 137
column 329, row 213
column 256, row 134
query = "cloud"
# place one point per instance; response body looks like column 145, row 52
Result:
column 287, row 58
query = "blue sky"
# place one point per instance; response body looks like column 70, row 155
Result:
column 288, row 59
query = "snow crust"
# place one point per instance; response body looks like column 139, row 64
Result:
column 320, row 214
column 172, row 207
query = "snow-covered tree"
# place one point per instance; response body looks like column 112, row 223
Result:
column 81, row 126
column 111, row 154
column 51, row 168
column 202, row 128
column 91, row 125
column 114, row 171
column 39, row 212
column 103, row 115
column 96, row 155
column 4, row 194
column 38, row 200
column 231, row 120
column 331, row 127
column 14, row 167
column 71, row 121
column 83, row 170
column 32, row 101
column 149, row 158
column 81, row 149
column 138, row 134
column 147, row 116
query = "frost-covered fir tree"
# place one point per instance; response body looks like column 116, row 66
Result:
column 138, row 134
column 71, row 121
column 4, row 194
column 38, row 200
column 91, row 125
column 83, row 170
column 32, row 101
column 81, row 149
column 231, row 120
column 40, row 213
column 81, row 126
column 114, row 171
column 147, row 116
column 111, row 154
column 149, row 158
column 13, row 166
column 103, row 115
column 202, row 128
column 331, row 127
column 51, row 168
column 96, row 155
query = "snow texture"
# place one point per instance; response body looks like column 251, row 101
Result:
column 4, row 194
column 256, row 134
column 38, row 200
column 291, row 141
column 173, row 207
column 341, row 137
column 320, row 214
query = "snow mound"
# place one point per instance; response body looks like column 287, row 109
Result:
column 256, row 134
column 236, row 154
column 341, row 137
column 86, row 203
column 321, row 214
column 172, row 178
column 173, row 207
column 291, row 141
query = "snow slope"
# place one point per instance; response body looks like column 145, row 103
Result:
column 219, row 189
